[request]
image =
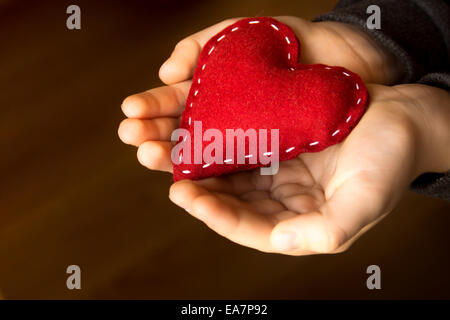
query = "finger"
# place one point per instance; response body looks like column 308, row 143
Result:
column 293, row 171
column 135, row 131
column 267, row 206
column 235, row 184
column 224, row 214
column 301, row 203
column 256, row 195
column 166, row 101
column 292, row 189
column 155, row 155
column 299, row 198
column 241, row 186
column 181, row 64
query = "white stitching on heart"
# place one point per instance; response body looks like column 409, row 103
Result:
column 292, row 69
column 290, row 149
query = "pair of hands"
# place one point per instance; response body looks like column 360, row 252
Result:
column 319, row 202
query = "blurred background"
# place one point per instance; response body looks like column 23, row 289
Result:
column 72, row 193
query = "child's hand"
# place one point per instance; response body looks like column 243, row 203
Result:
column 154, row 114
column 324, row 198
column 322, row 202
column 330, row 43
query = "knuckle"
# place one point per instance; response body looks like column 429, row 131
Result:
column 186, row 42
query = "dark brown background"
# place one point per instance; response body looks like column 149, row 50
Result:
column 72, row 193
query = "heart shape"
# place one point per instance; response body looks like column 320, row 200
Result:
column 248, row 77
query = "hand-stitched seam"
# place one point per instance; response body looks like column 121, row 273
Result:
column 274, row 26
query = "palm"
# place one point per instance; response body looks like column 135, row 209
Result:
column 310, row 194
column 246, row 206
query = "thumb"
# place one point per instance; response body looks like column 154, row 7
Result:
column 352, row 206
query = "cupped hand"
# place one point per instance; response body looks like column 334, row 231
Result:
column 154, row 114
column 316, row 203
column 319, row 202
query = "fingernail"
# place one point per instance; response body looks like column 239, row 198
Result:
column 284, row 241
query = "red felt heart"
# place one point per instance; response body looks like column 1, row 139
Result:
column 248, row 77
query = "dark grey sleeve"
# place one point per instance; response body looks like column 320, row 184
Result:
column 434, row 184
column 417, row 33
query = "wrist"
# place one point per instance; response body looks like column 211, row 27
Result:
column 429, row 111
